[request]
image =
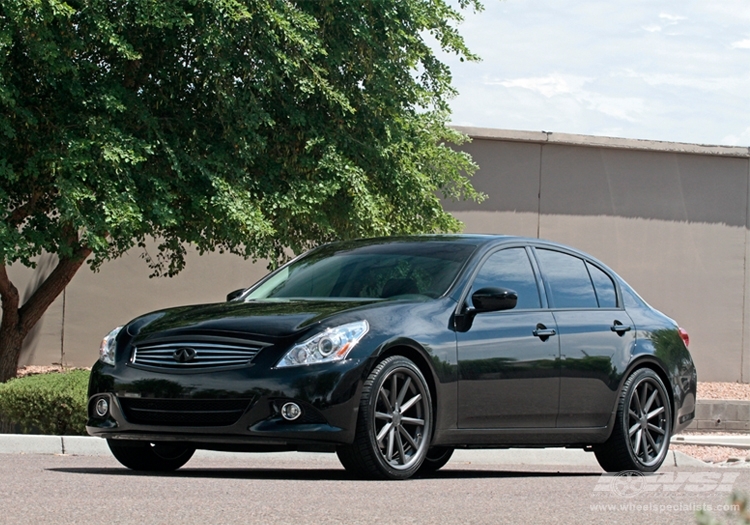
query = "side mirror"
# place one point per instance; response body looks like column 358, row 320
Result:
column 235, row 294
column 494, row 299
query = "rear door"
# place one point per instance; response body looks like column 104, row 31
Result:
column 596, row 336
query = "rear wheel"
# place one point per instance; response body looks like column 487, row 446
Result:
column 158, row 457
column 393, row 427
column 643, row 426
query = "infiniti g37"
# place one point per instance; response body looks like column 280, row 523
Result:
column 394, row 352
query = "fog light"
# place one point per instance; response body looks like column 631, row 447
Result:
column 291, row 411
column 102, row 407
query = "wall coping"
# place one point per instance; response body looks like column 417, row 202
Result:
column 548, row 137
column 722, row 402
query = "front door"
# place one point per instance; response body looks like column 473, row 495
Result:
column 508, row 376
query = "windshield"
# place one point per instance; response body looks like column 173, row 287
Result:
column 373, row 271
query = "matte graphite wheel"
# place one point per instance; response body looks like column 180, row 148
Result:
column 158, row 457
column 394, row 425
column 643, row 426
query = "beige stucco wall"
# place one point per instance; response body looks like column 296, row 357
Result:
column 670, row 218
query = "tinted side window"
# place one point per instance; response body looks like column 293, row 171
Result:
column 510, row 269
column 568, row 280
column 604, row 287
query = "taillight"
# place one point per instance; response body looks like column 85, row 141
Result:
column 685, row 337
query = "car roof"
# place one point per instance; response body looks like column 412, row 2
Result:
column 477, row 239
column 463, row 238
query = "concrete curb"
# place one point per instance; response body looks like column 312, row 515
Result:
column 91, row 446
column 736, row 441
column 82, row 446
column 683, row 460
column 30, row 444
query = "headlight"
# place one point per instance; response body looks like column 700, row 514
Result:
column 108, row 346
column 332, row 345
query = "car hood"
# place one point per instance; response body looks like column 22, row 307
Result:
column 263, row 319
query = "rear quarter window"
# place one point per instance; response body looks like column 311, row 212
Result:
column 603, row 286
column 568, row 280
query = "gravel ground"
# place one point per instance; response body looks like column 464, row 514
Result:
column 711, row 454
column 31, row 370
column 739, row 391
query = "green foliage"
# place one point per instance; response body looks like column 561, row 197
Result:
column 47, row 403
column 248, row 126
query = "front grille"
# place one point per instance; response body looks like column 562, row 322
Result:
column 183, row 412
column 195, row 354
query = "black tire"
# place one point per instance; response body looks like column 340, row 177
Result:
column 436, row 458
column 155, row 457
column 391, row 441
column 643, row 426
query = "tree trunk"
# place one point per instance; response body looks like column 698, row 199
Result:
column 6, row 427
column 11, row 338
column 17, row 322
column 10, row 350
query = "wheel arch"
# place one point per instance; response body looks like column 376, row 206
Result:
column 651, row 362
column 418, row 356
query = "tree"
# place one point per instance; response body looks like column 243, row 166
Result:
column 248, row 126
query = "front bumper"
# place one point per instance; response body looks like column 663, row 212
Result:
column 229, row 410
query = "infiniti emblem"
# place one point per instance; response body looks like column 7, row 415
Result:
column 184, row 355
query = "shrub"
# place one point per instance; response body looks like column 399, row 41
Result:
column 47, row 403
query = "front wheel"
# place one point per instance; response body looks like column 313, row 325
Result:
column 394, row 423
column 436, row 458
column 643, row 426
column 157, row 457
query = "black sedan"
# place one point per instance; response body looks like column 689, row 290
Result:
column 393, row 352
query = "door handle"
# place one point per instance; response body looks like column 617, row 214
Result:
column 619, row 328
column 543, row 333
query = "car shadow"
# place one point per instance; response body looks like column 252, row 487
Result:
column 322, row 474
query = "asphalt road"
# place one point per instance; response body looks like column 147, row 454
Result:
column 305, row 488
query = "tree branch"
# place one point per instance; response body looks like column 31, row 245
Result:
column 34, row 308
column 18, row 215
